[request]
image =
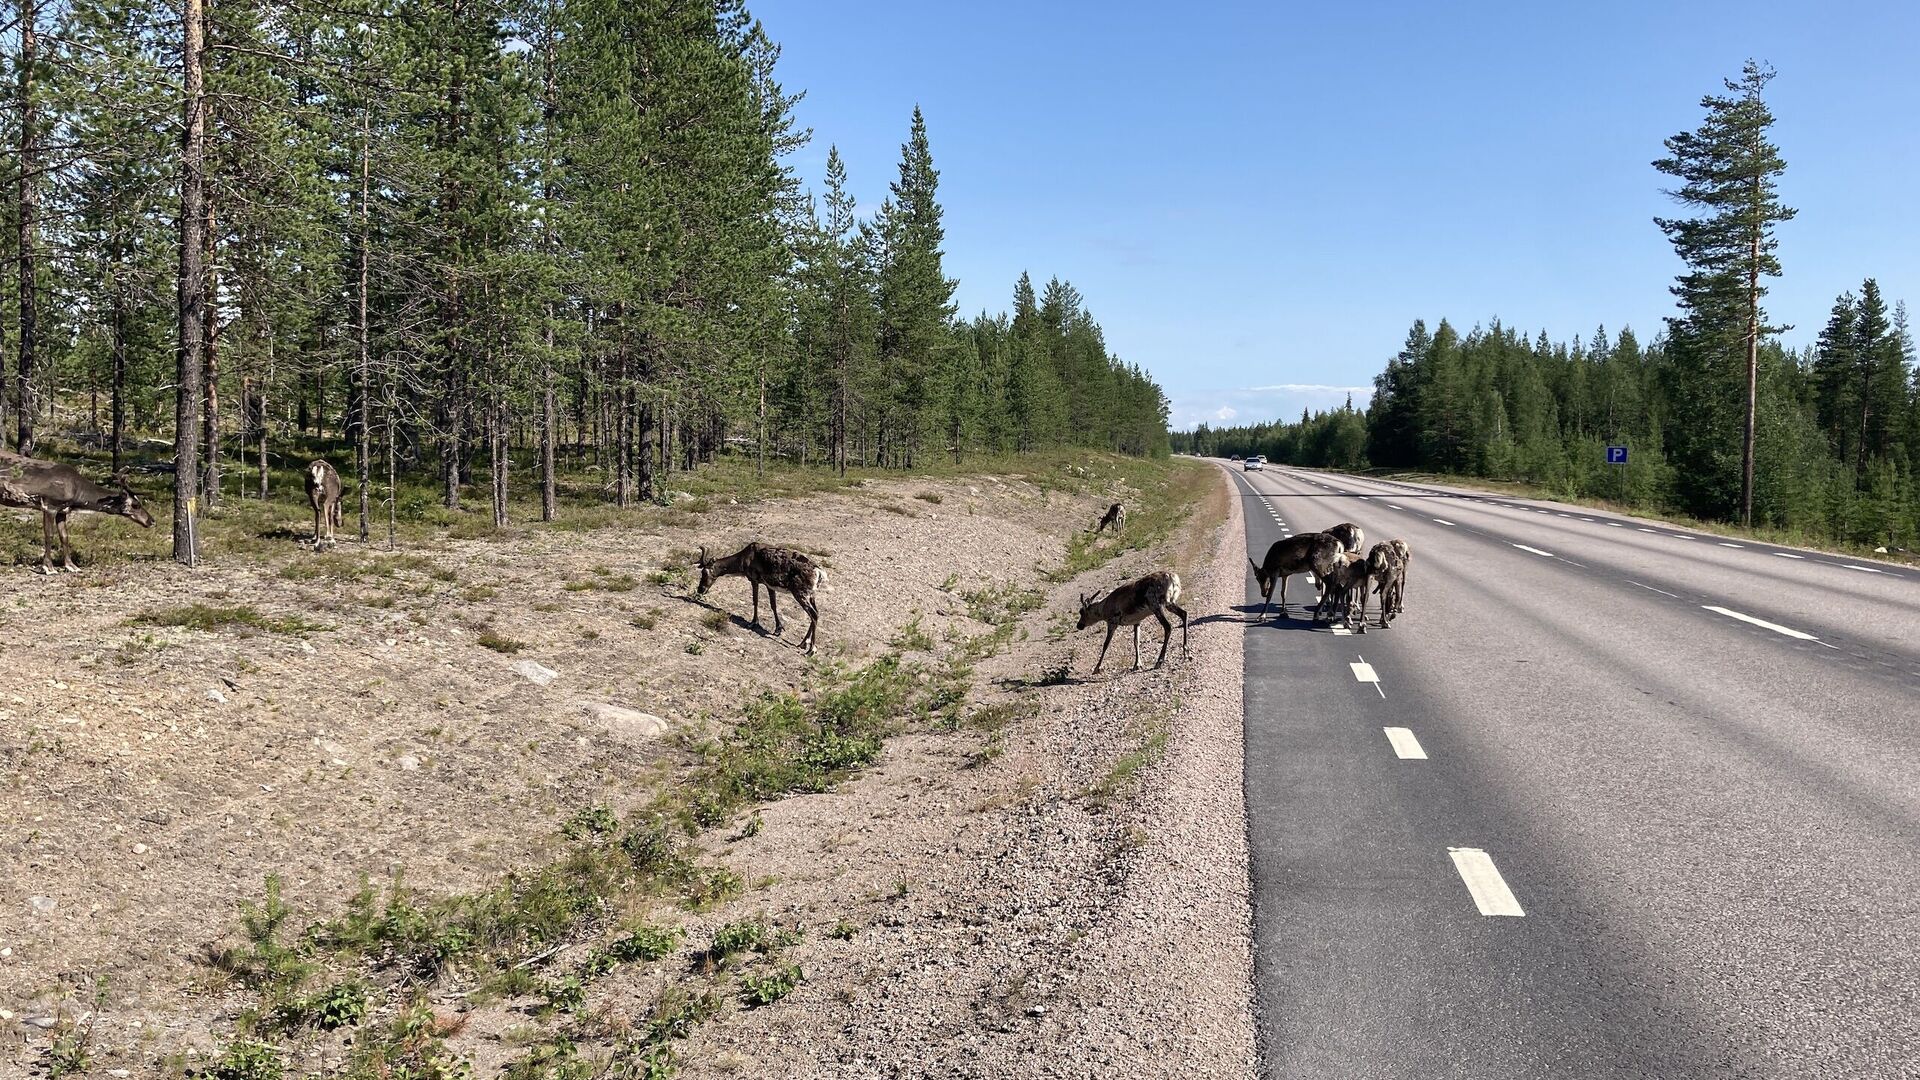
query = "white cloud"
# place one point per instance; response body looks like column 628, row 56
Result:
column 1226, row 412
column 1307, row 388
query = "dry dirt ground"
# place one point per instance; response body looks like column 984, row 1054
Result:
column 1063, row 897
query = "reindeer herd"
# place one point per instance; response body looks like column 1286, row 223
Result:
column 1331, row 559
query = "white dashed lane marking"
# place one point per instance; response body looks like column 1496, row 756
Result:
column 1484, row 883
column 1535, row 550
column 1616, row 525
column 1364, row 672
column 1650, row 588
column 1390, row 506
column 1405, row 746
column 1775, row 627
column 1789, row 555
column 1863, row 569
column 1723, row 543
column 1444, row 521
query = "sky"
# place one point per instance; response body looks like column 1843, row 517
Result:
column 1257, row 200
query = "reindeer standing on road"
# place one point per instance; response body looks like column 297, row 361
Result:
column 56, row 491
column 773, row 568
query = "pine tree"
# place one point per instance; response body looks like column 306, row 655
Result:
column 1729, row 171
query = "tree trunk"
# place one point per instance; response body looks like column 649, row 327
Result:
column 548, row 419
column 1753, row 381
column 192, row 284
column 266, row 418
column 119, row 392
column 362, row 455
column 210, row 329
column 25, row 405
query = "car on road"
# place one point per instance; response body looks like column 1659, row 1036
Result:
column 1233, row 457
column 1254, row 463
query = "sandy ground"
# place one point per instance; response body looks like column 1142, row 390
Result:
column 1022, row 915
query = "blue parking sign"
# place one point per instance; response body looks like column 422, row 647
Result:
column 1616, row 455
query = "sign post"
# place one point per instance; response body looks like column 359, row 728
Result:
column 1617, row 455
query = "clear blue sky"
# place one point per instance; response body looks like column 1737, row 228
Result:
column 1258, row 199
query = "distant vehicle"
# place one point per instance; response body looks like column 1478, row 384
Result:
column 1253, row 464
column 1233, row 457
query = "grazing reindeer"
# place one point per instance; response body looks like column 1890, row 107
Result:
column 1129, row 605
column 1116, row 516
column 1349, row 535
column 1344, row 580
column 774, row 568
column 323, row 492
column 56, row 491
column 1308, row 553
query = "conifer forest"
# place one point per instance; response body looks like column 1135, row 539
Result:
column 1828, row 451
column 483, row 245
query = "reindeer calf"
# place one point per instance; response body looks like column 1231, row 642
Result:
column 323, row 494
column 1345, row 579
column 1129, row 605
column 1116, row 516
column 764, row 565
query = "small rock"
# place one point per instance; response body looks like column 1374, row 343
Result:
column 1880, row 550
column 157, row 817
column 139, row 849
column 408, row 763
column 6, row 1014
column 630, row 724
column 42, row 904
column 1037, row 1010
column 306, row 646
column 536, row 673
column 44, row 1023
column 119, row 1072
column 216, row 696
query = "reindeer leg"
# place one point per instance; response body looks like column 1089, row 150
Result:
column 1111, row 627
column 1182, row 612
column 812, row 608
column 1136, row 646
column 46, row 541
column 1166, row 635
column 60, row 522
column 773, row 601
column 755, row 586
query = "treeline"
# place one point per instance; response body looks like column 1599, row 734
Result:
column 445, row 230
column 1720, row 420
column 1837, row 445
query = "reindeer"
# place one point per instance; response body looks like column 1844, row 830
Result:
column 1392, row 586
column 1129, row 605
column 1349, row 535
column 56, row 491
column 774, row 568
column 323, row 493
column 1344, row 580
column 1116, row 516
column 1307, row 553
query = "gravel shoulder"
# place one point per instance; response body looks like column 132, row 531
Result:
column 1062, row 893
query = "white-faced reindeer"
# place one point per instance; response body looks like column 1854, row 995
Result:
column 1307, row 553
column 1116, row 516
column 773, row 568
column 323, row 494
column 1129, row 605
column 56, row 491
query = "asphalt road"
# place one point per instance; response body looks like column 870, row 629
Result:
column 1679, row 773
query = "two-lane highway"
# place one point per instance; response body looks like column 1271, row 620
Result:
column 1603, row 802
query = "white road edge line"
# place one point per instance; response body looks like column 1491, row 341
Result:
column 1483, row 881
column 1405, row 746
column 1535, row 550
column 1775, row 627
